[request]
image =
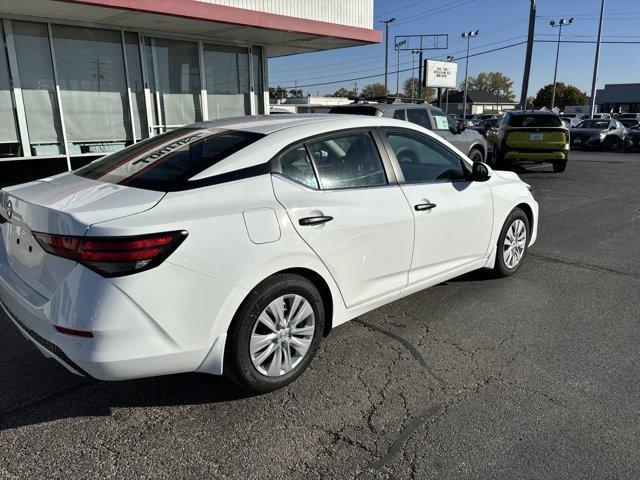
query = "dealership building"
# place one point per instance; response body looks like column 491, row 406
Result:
column 81, row 78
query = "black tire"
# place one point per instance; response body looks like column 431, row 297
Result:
column 559, row 166
column 500, row 268
column 476, row 156
column 612, row 143
column 238, row 365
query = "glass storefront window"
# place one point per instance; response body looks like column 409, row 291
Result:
column 258, row 80
column 136, row 85
column 9, row 146
column 174, row 79
column 93, row 89
column 38, row 88
column 226, row 71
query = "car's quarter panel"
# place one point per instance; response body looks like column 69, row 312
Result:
column 367, row 245
column 455, row 232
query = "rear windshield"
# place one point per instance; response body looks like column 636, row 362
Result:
column 363, row 110
column 535, row 121
column 166, row 162
column 594, row 124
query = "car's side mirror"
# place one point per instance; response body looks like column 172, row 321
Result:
column 461, row 127
column 481, row 172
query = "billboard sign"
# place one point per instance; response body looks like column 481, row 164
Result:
column 440, row 74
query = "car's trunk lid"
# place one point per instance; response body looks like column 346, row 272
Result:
column 62, row 205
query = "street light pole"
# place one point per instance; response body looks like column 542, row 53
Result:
column 597, row 63
column 561, row 23
column 386, row 50
column 468, row 36
column 398, row 45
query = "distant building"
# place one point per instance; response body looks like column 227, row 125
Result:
column 619, row 98
column 478, row 101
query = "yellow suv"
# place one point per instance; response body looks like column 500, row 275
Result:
column 537, row 136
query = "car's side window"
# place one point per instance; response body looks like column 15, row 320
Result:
column 398, row 114
column 347, row 160
column 295, row 164
column 419, row 116
column 423, row 160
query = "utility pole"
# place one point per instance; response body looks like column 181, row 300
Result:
column 561, row 23
column 468, row 36
column 527, row 62
column 414, row 52
column 446, row 110
column 386, row 51
column 597, row 63
column 398, row 45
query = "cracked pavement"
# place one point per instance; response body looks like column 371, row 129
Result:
column 534, row 376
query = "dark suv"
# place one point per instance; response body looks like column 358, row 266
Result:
column 428, row 116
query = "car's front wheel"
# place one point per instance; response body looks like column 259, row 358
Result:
column 512, row 243
column 275, row 333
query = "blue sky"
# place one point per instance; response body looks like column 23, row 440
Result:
column 501, row 22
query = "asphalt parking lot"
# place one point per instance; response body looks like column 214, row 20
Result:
column 534, row 376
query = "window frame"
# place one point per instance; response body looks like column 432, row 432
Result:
column 465, row 165
column 435, row 124
column 387, row 164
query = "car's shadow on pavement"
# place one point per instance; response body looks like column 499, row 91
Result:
column 73, row 397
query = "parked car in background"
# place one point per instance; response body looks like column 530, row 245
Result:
column 598, row 133
column 629, row 116
column 632, row 139
column 537, row 136
column 433, row 118
column 484, row 125
column 574, row 118
column 629, row 122
column 566, row 121
column 236, row 245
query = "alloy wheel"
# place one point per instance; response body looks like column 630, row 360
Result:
column 282, row 335
column 514, row 244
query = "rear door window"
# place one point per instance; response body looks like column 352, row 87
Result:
column 348, row 160
column 419, row 116
column 296, row 165
column 166, row 162
column 399, row 114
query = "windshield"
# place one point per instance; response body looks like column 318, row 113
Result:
column 167, row 161
column 601, row 124
column 535, row 121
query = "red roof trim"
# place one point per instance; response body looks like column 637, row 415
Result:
column 238, row 16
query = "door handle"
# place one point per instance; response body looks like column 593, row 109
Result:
column 424, row 206
column 319, row 220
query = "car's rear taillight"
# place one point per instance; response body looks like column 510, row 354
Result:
column 113, row 256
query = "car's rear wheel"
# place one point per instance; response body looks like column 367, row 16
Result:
column 512, row 243
column 559, row 166
column 275, row 333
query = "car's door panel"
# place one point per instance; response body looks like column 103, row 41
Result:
column 363, row 235
column 453, row 216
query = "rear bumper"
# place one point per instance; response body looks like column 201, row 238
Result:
column 536, row 155
column 135, row 330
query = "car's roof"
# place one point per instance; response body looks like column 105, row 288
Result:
column 267, row 124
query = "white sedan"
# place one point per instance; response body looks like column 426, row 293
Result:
column 236, row 245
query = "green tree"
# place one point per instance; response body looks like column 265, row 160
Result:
column 296, row 93
column 565, row 95
column 343, row 92
column 411, row 88
column 493, row 82
column 278, row 92
column 373, row 90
